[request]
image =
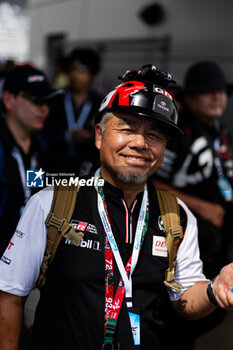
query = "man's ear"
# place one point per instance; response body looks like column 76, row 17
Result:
column 8, row 100
column 98, row 136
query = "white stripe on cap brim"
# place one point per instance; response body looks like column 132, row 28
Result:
column 54, row 94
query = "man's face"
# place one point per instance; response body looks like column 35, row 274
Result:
column 131, row 148
column 25, row 112
column 80, row 77
column 208, row 106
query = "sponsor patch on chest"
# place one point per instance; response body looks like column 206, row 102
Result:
column 158, row 246
column 84, row 226
column 87, row 242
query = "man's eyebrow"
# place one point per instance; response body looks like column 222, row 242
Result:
column 157, row 127
column 154, row 126
column 128, row 121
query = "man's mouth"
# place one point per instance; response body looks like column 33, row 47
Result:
column 135, row 158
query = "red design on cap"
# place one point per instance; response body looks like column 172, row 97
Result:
column 124, row 90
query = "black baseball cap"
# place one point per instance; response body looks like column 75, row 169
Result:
column 206, row 76
column 31, row 81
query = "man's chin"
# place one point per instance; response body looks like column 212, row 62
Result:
column 125, row 174
column 132, row 178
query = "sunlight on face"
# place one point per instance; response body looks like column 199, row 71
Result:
column 131, row 148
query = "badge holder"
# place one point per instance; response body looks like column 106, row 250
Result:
column 134, row 317
column 225, row 189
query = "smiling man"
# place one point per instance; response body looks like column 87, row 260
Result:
column 130, row 150
column 108, row 292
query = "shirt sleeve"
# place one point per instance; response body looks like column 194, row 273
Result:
column 189, row 267
column 21, row 261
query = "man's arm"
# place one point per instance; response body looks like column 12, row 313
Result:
column 11, row 316
column 20, row 267
column 194, row 303
column 209, row 211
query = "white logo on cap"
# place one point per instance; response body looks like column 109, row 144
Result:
column 163, row 103
column 35, row 78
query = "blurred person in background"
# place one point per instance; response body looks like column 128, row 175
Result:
column 176, row 91
column 25, row 107
column 198, row 168
column 6, row 67
column 69, row 129
column 60, row 80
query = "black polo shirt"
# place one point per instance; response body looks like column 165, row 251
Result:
column 70, row 314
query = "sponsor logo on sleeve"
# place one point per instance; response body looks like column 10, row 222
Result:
column 19, row 234
column 158, row 246
column 5, row 260
column 11, row 244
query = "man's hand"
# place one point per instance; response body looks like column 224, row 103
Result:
column 194, row 303
column 222, row 287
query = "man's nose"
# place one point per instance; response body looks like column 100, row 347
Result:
column 138, row 141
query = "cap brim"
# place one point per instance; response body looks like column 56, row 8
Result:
column 53, row 94
column 48, row 95
column 174, row 130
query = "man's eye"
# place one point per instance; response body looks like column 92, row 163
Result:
column 154, row 135
column 127, row 130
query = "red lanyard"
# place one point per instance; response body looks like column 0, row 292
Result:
column 113, row 305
